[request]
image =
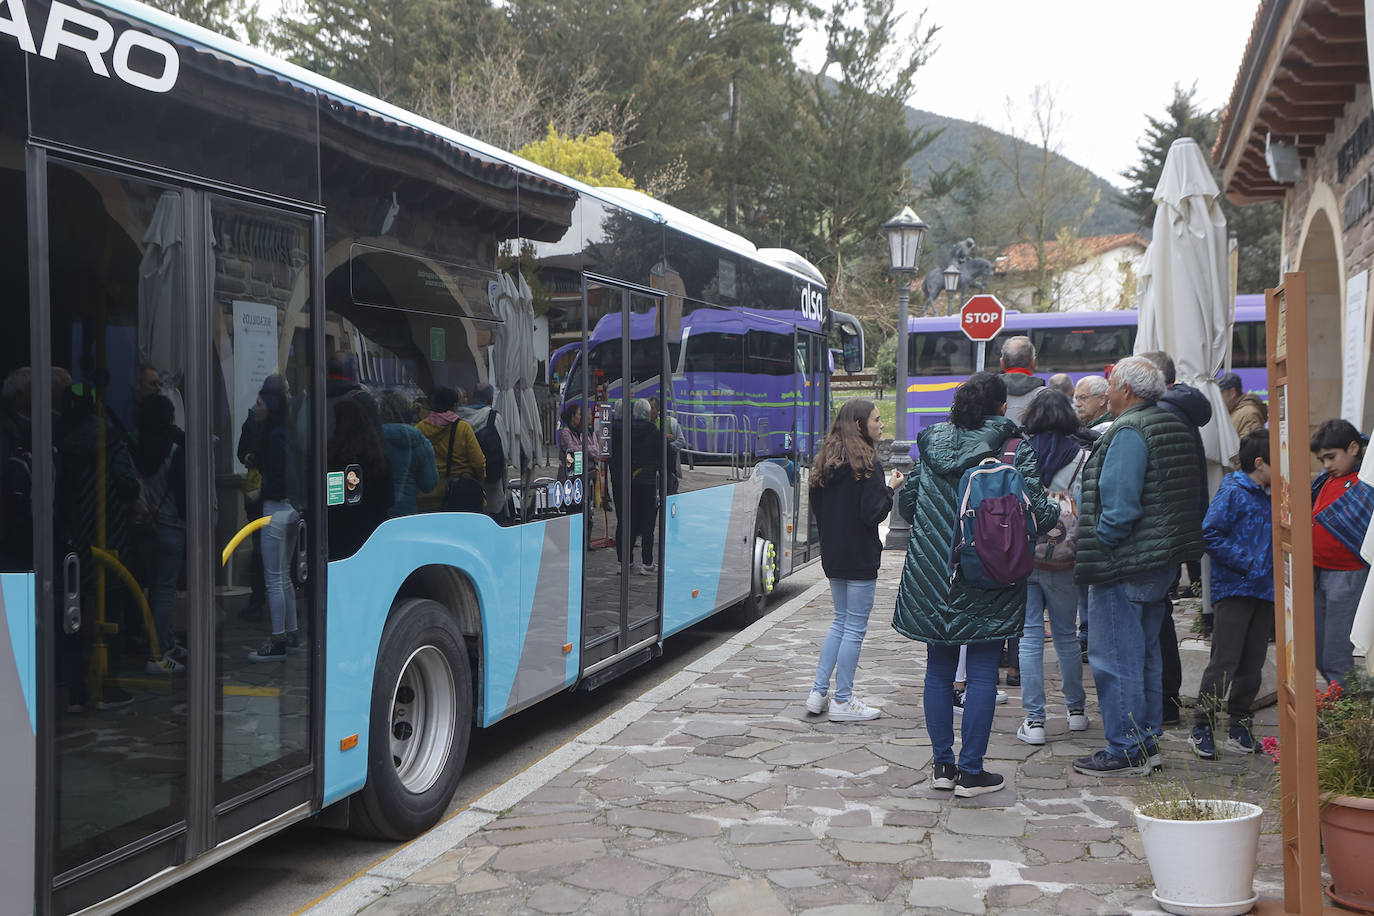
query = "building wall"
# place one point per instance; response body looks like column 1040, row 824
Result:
column 1095, row 285
column 1311, row 207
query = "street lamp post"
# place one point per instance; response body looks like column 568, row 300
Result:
column 905, row 233
column 951, row 275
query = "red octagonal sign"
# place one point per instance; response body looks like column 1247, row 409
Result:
column 982, row 318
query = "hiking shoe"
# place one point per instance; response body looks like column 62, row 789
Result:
column 1202, row 743
column 1078, row 720
column 1239, row 740
column 971, row 784
column 817, row 702
column 274, row 651
column 1031, row 732
column 164, row 665
column 1013, row 677
column 852, row 710
column 1105, row 763
column 945, row 776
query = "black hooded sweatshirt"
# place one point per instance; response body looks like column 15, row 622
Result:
column 1192, row 407
column 848, row 512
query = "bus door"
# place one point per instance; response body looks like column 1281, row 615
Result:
column 812, row 423
column 624, row 389
column 172, row 409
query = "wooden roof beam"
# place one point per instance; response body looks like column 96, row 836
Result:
column 1304, row 112
column 1334, row 29
column 1327, row 54
column 1308, row 74
column 1304, row 93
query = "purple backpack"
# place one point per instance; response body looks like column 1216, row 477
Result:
column 994, row 529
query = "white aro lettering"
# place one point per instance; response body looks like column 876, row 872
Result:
column 93, row 37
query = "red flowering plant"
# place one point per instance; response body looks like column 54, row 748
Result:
column 1345, row 738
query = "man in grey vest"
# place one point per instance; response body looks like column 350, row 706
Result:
column 1018, row 371
column 1137, row 521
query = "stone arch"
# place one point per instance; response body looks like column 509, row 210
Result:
column 1321, row 256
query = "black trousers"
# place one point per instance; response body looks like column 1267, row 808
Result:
column 1240, row 640
column 1171, row 666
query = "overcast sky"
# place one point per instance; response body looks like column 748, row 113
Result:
column 1110, row 64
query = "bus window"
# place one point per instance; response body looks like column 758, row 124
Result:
column 1247, row 345
column 943, row 353
column 1081, row 349
column 768, row 353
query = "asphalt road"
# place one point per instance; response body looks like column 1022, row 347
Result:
column 290, row 870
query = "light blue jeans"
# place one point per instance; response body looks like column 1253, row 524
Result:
column 1123, row 649
column 1051, row 590
column 840, row 652
column 278, row 544
column 1335, row 598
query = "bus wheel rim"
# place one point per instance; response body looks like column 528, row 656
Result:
column 766, row 565
column 424, row 709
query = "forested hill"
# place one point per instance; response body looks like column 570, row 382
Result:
column 959, row 137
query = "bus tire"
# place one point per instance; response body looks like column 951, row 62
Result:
column 420, row 722
column 763, row 567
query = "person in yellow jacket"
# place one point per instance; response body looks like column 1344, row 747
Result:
column 456, row 451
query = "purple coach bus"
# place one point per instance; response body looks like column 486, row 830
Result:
column 940, row 357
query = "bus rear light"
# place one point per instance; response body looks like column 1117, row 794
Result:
column 349, row 743
column 696, row 592
column 567, row 647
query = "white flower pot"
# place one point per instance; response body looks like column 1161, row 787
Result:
column 1203, row 867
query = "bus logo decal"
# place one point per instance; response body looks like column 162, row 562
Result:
column 91, row 37
column 812, row 304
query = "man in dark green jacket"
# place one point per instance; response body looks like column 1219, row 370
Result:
column 1137, row 522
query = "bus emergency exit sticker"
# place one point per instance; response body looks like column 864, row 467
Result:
column 334, row 488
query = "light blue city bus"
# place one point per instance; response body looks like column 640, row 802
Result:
column 267, row 553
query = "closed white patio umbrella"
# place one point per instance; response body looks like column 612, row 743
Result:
column 1186, row 306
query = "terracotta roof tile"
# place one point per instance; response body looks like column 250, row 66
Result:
column 1021, row 257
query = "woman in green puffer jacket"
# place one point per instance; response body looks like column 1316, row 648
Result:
column 947, row 615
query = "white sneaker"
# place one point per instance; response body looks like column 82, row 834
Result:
column 167, row 665
column 1078, row 720
column 646, row 570
column 852, row 710
column 817, row 702
column 1031, row 732
column 1001, row 698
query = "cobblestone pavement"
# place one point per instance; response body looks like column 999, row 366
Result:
column 716, row 793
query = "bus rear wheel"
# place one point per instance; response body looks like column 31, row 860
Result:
column 421, row 719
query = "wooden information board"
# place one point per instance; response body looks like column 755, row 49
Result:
column 1295, row 631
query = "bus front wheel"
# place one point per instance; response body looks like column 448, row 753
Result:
column 763, row 575
column 420, row 722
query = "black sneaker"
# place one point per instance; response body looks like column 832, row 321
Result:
column 274, row 651
column 1202, row 743
column 1013, row 677
column 293, row 643
column 945, row 776
column 971, row 784
column 1239, row 740
column 958, row 699
column 1105, row 763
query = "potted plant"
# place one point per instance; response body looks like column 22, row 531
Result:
column 1200, row 831
column 1201, row 851
column 1345, row 776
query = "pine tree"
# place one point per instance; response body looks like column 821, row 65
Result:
column 1182, row 118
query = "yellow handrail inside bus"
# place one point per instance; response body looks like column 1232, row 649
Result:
column 237, row 539
column 108, row 560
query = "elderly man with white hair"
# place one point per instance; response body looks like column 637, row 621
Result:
column 1137, row 522
column 1090, row 402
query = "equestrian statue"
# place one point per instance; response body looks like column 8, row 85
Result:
column 973, row 275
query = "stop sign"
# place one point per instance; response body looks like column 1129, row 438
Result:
column 982, row 318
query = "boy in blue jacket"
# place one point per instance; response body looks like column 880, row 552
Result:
column 1238, row 536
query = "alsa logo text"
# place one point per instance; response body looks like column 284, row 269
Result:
column 813, row 304
column 94, row 38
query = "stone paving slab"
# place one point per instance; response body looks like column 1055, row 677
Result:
column 719, row 794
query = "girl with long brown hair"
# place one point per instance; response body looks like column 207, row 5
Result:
column 849, row 498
